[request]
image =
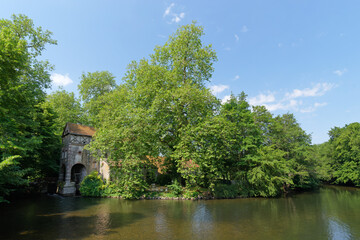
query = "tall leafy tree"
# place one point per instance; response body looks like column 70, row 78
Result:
column 91, row 88
column 220, row 146
column 345, row 144
column 23, row 79
column 323, row 155
column 287, row 135
column 160, row 97
column 66, row 107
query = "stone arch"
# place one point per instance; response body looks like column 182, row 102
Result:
column 78, row 173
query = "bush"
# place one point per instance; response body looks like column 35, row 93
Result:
column 191, row 193
column 92, row 185
column 175, row 188
column 111, row 190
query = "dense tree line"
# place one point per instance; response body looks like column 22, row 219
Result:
column 163, row 111
column 161, row 114
column 339, row 158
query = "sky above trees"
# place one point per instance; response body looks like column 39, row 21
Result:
column 291, row 56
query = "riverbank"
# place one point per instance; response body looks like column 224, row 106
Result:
column 162, row 193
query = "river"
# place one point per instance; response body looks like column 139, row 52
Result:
column 329, row 213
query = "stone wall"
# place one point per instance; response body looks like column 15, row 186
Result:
column 73, row 153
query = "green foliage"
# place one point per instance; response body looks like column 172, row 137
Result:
column 130, row 176
column 66, row 107
column 270, row 173
column 11, row 177
column 147, row 114
column 345, row 154
column 286, row 135
column 92, row 87
column 191, row 193
column 322, row 154
column 112, row 189
column 226, row 191
column 219, row 147
column 26, row 126
column 175, row 188
column 92, row 185
column 23, row 80
column 163, row 108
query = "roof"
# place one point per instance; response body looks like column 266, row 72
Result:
column 78, row 129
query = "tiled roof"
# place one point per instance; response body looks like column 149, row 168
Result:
column 79, row 129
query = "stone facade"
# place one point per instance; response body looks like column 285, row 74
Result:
column 76, row 162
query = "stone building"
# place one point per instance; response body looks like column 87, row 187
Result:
column 77, row 162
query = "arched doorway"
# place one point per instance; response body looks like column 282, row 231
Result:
column 78, row 173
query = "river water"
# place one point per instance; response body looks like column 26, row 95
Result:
column 330, row 213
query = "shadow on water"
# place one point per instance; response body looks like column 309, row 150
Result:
column 62, row 218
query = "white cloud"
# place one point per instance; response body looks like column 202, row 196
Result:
column 236, row 37
column 313, row 108
column 218, row 88
column 288, row 103
column 340, row 72
column 60, row 80
column 178, row 17
column 262, row 99
column 225, row 99
column 168, row 9
column 236, row 77
column 318, row 90
column 175, row 17
column 244, row 29
column 227, row 49
column 320, row 104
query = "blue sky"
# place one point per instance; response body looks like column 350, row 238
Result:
column 293, row 56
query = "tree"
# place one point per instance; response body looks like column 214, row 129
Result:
column 345, row 144
column 160, row 97
column 23, row 80
column 11, row 177
column 270, row 173
column 67, row 108
column 219, row 147
column 323, row 155
column 92, row 87
column 286, row 135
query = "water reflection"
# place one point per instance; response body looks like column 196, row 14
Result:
column 338, row 230
column 331, row 213
column 202, row 222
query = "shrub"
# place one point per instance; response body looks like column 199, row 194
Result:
column 191, row 193
column 175, row 188
column 92, row 185
column 111, row 190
